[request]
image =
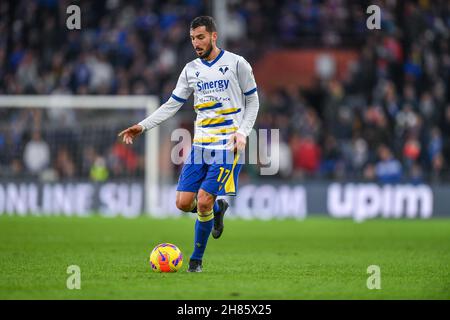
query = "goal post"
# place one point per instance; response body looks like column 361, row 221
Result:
column 104, row 102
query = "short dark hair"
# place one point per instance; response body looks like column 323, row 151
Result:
column 207, row 21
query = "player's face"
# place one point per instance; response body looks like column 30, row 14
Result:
column 203, row 41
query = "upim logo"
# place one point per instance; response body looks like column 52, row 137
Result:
column 366, row 201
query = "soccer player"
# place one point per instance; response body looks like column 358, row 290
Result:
column 226, row 103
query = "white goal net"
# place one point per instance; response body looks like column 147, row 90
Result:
column 51, row 147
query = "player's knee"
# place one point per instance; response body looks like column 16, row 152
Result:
column 184, row 205
column 205, row 204
column 205, row 207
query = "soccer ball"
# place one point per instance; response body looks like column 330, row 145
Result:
column 166, row 257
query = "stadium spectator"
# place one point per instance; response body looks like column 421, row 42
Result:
column 99, row 172
column 306, row 153
column 36, row 154
column 388, row 169
column 64, row 164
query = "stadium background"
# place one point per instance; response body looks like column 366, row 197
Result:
column 364, row 119
column 352, row 104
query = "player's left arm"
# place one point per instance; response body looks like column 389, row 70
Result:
column 249, row 89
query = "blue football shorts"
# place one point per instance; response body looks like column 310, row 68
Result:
column 215, row 171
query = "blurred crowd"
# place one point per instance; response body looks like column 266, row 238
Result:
column 387, row 120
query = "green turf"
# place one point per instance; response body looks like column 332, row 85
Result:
column 318, row 258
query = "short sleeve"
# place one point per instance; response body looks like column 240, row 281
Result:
column 245, row 77
column 182, row 90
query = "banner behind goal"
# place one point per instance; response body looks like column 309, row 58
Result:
column 61, row 138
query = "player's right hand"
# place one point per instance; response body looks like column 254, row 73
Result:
column 131, row 132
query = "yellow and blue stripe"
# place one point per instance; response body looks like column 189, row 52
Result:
column 206, row 139
column 214, row 122
column 229, row 111
column 210, row 142
column 222, row 131
column 208, row 106
column 211, row 105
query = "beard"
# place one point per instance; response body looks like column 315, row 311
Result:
column 207, row 52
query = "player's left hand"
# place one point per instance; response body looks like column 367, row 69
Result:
column 237, row 142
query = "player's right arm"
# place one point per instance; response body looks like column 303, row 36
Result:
column 177, row 99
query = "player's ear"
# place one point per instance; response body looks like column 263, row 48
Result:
column 214, row 36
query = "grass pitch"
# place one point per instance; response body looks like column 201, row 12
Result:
column 318, row 258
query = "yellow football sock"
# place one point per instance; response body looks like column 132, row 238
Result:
column 205, row 216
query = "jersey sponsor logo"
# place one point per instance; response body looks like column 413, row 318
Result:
column 210, row 85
